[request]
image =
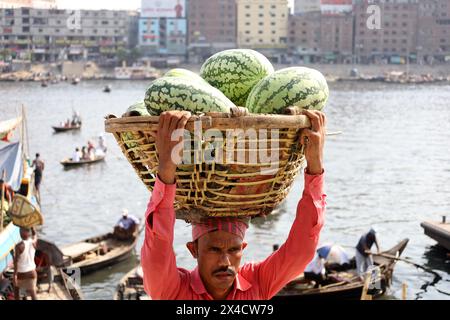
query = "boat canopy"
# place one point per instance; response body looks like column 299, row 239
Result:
column 11, row 161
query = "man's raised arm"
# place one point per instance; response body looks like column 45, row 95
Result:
column 162, row 280
column 294, row 255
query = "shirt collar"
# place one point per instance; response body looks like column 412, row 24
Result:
column 240, row 283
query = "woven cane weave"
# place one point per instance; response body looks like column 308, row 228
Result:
column 210, row 188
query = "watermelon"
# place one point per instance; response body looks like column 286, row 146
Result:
column 295, row 86
column 180, row 72
column 235, row 72
column 137, row 109
column 180, row 93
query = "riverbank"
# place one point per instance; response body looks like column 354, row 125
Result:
column 333, row 72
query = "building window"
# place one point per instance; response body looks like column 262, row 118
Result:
column 247, row 23
column 261, row 23
column 260, row 32
column 25, row 29
column 105, row 22
column 248, row 15
column 261, row 15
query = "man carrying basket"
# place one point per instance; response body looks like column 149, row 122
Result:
column 218, row 243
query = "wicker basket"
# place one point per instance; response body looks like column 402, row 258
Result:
column 210, row 189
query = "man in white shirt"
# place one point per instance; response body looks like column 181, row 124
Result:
column 315, row 270
column 76, row 155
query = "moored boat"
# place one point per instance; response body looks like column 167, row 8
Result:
column 439, row 231
column 344, row 284
column 99, row 252
column 131, row 286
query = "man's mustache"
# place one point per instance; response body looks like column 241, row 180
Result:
column 228, row 270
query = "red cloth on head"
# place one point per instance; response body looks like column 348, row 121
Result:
column 237, row 226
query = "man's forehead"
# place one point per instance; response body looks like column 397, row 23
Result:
column 220, row 239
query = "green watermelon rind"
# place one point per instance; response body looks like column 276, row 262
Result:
column 296, row 86
column 173, row 93
column 235, row 72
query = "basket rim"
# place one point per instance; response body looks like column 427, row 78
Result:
column 221, row 121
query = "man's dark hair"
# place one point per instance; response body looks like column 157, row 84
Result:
column 37, row 155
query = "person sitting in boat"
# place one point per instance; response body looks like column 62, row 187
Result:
column 84, row 154
column 218, row 244
column 67, row 124
column 91, row 150
column 363, row 256
column 315, row 271
column 25, row 276
column 76, row 119
column 126, row 226
column 76, row 157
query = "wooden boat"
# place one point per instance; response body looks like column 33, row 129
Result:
column 65, row 129
column 131, row 286
column 345, row 284
column 438, row 231
column 68, row 163
column 99, row 252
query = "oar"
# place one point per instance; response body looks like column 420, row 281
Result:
column 438, row 277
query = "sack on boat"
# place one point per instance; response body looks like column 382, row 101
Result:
column 240, row 164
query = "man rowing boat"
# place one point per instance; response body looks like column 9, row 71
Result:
column 217, row 244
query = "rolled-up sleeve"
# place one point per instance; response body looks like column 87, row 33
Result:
column 161, row 276
column 291, row 259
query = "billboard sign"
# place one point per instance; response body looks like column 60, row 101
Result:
column 163, row 9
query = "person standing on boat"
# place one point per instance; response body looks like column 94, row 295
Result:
column 363, row 256
column 25, row 275
column 39, row 167
column 217, row 244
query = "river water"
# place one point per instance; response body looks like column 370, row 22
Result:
column 390, row 169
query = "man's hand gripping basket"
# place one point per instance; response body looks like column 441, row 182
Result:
column 235, row 165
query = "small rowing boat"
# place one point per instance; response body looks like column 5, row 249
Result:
column 68, row 163
column 344, row 284
column 59, row 129
column 131, row 286
column 100, row 252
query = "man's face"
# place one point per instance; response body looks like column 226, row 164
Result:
column 24, row 233
column 219, row 256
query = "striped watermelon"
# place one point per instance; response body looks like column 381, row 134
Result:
column 180, row 72
column 235, row 72
column 180, row 93
column 296, row 86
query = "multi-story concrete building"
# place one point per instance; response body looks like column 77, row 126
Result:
column 50, row 34
column 163, row 27
column 212, row 27
column 322, row 31
column 262, row 24
column 391, row 35
column 433, row 31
